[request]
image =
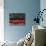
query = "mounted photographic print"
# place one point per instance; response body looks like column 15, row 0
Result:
column 17, row 18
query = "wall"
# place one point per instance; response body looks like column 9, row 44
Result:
column 29, row 7
column 43, row 6
column 1, row 21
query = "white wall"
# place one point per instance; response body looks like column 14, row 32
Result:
column 1, row 21
column 43, row 6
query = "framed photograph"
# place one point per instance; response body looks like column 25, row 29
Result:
column 17, row 18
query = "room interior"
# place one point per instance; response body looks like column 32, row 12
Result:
column 15, row 34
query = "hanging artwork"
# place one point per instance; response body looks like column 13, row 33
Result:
column 17, row 18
